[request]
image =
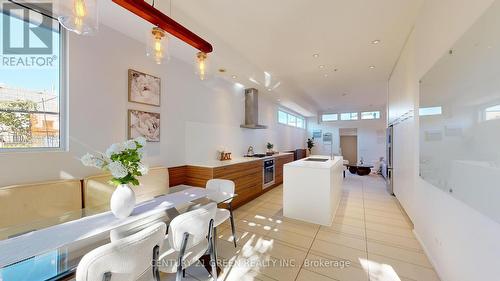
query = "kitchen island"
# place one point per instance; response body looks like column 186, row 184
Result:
column 312, row 189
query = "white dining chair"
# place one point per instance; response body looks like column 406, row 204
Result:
column 226, row 187
column 190, row 236
column 129, row 259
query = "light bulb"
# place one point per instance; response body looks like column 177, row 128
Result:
column 202, row 67
column 79, row 8
column 79, row 13
column 79, row 16
column 157, row 44
column 158, row 47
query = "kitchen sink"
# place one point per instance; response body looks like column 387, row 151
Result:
column 316, row 159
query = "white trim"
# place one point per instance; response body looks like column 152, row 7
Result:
column 63, row 103
column 427, row 253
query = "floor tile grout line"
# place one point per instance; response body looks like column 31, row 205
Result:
column 366, row 250
column 326, row 276
column 384, row 243
column 366, row 235
column 308, row 251
column 327, row 256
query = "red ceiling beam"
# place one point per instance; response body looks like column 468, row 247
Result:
column 144, row 10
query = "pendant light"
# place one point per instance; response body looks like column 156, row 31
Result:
column 79, row 16
column 157, row 45
column 202, row 65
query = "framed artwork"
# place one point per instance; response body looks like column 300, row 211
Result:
column 143, row 88
column 144, row 124
column 317, row 134
column 327, row 138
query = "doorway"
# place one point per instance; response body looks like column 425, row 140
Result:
column 349, row 145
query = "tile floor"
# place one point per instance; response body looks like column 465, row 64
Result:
column 369, row 240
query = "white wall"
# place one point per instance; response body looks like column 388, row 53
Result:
column 371, row 137
column 197, row 116
column 462, row 243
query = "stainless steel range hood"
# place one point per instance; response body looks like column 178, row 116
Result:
column 252, row 110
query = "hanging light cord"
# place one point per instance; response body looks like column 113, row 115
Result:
column 153, row 4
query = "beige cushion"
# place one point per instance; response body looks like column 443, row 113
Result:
column 24, row 204
column 97, row 190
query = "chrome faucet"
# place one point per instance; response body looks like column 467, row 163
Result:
column 250, row 151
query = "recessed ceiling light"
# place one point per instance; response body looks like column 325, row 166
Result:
column 326, row 75
column 234, row 76
column 321, row 66
column 278, row 100
column 375, row 42
column 269, row 89
column 315, row 56
column 253, row 81
column 222, row 70
column 372, row 66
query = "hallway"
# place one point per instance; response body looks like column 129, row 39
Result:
column 370, row 239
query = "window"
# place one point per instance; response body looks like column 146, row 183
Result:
column 31, row 96
column 301, row 123
column 282, row 117
column 427, row 111
column 349, row 116
column 329, row 117
column 370, row 115
column 293, row 120
column 492, row 112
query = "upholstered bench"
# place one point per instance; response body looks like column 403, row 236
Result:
column 32, row 206
column 97, row 190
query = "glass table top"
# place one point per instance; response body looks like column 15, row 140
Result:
column 61, row 262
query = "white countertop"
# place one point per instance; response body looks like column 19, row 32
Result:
column 313, row 164
column 238, row 160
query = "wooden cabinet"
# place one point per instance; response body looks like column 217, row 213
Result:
column 247, row 176
column 279, row 162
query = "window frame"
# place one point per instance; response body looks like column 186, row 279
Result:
column 422, row 111
column 288, row 114
column 63, row 101
column 484, row 112
column 332, row 114
column 350, row 114
column 303, row 120
column 377, row 116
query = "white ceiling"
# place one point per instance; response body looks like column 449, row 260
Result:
column 280, row 37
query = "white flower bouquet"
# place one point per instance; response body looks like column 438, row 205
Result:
column 123, row 160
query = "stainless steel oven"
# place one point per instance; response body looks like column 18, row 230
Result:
column 268, row 173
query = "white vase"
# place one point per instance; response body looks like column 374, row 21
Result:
column 122, row 201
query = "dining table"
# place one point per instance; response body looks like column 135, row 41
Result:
column 51, row 248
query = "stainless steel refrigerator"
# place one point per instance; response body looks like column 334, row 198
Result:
column 389, row 159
